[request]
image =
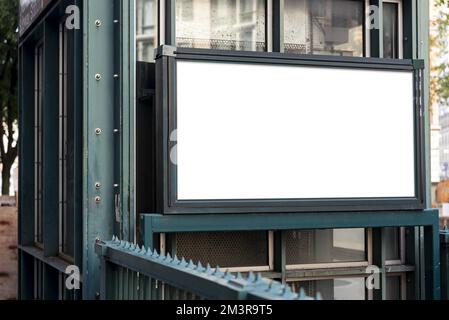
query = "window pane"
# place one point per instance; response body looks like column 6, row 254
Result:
column 325, row 246
column 66, row 152
column 38, row 141
column 394, row 288
column 334, row 289
column 328, row 27
column 392, row 240
column 391, row 30
column 146, row 29
column 221, row 24
column 38, row 280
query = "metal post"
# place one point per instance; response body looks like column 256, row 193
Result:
column 99, row 141
column 444, row 258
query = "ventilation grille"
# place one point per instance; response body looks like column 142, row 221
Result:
column 225, row 249
column 299, row 247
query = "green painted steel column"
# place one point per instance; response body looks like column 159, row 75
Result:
column 98, row 150
column 421, row 30
column 109, row 151
column 125, row 66
column 444, row 258
column 432, row 261
column 376, row 39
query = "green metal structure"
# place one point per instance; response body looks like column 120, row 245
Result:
column 134, row 273
column 102, row 81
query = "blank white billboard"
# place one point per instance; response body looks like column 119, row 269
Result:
column 253, row 131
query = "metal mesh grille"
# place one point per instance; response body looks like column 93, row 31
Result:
column 220, row 44
column 299, row 247
column 296, row 48
column 225, row 249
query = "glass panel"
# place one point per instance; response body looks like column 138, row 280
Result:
column 147, row 39
column 146, row 29
column 325, row 246
column 334, row 289
column 328, row 27
column 38, row 280
column 392, row 241
column 66, row 152
column 394, row 288
column 391, row 30
column 221, row 24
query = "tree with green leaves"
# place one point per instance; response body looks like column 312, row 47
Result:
column 8, row 88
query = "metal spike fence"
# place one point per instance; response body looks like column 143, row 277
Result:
column 129, row 272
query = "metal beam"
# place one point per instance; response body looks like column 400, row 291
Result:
column 287, row 221
column 154, row 224
column 38, row 255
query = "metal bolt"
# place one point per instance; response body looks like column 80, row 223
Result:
column 98, row 185
column 98, row 23
column 97, row 199
column 98, row 77
column 115, row 21
column 116, row 130
column 116, row 76
column 98, row 131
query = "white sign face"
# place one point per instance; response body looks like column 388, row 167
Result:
column 251, row 131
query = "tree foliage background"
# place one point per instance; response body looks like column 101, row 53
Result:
column 440, row 55
column 8, row 87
